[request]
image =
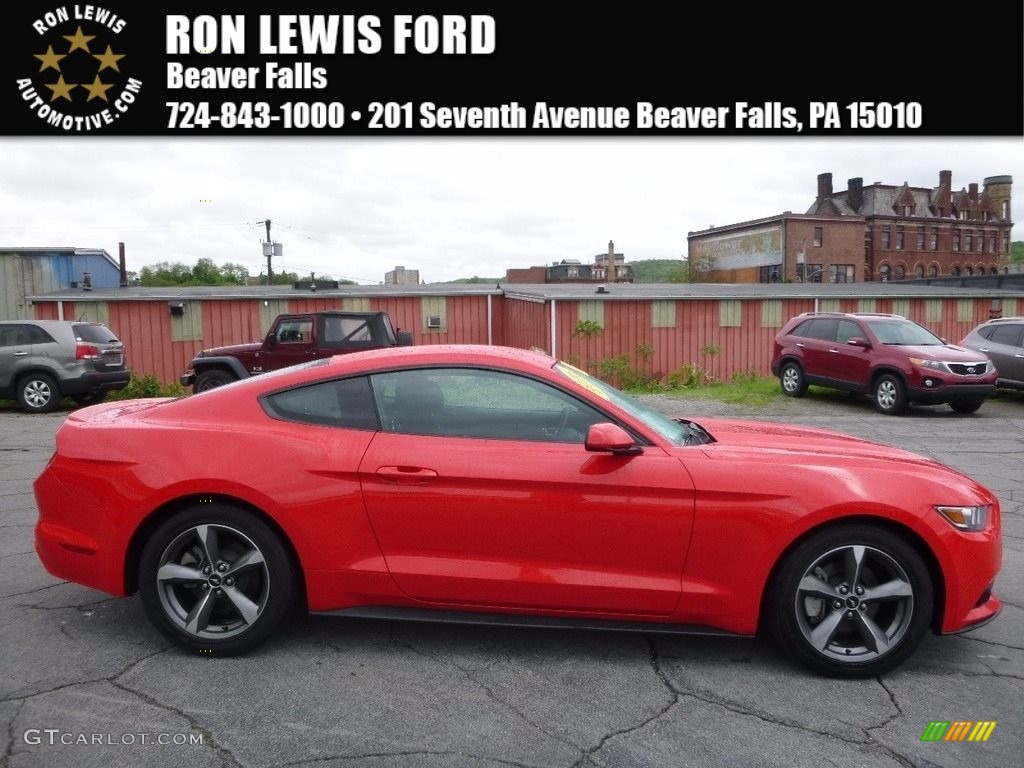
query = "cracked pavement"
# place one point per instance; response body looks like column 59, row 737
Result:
column 333, row 693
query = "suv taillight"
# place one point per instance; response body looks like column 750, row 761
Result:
column 86, row 352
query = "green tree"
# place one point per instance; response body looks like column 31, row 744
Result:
column 661, row 271
column 1017, row 252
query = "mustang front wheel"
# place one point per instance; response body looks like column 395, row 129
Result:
column 216, row 580
column 853, row 601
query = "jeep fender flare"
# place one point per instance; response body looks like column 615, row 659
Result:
column 201, row 364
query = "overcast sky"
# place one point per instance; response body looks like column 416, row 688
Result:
column 450, row 207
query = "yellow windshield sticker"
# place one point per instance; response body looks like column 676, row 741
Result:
column 584, row 379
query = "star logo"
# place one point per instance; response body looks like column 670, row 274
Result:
column 108, row 60
column 79, row 84
column 79, row 40
column 97, row 90
column 50, row 60
column 61, row 90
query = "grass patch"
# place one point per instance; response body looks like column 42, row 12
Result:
column 742, row 389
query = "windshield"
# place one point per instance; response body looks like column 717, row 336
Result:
column 675, row 431
column 904, row 333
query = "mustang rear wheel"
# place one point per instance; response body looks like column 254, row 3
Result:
column 216, row 580
column 851, row 601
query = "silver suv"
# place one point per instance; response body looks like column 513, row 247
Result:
column 44, row 361
column 1002, row 340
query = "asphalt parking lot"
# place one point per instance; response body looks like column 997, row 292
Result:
column 87, row 682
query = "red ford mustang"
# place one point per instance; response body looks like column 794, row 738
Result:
column 486, row 484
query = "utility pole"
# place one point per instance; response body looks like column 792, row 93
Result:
column 268, row 250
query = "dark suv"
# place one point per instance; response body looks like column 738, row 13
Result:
column 1002, row 342
column 43, row 361
column 895, row 360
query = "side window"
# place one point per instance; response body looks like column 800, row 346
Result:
column 346, row 331
column 847, row 330
column 341, row 403
column 14, row 335
column 37, row 335
column 298, row 331
column 820, row 328
column 1006, row 334
column 466, row 402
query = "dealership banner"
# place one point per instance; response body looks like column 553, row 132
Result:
column 530, row 69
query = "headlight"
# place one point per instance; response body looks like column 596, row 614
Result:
column 935, row 365
column 966, row 518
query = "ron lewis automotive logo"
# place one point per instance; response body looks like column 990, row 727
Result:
column 76, row 77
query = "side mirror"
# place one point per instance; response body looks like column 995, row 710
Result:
column 271, row 340
column 858, row 341
column 611, row 438
column 404, row 338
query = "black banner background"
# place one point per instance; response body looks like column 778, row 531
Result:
column 968, row 76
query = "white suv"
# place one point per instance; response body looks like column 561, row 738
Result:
column 44, row 361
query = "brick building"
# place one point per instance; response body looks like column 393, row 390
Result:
column 878, row 232
column 608, row 267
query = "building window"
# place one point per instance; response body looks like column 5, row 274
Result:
column 907, row 210
column 981, row 242
column 1005, row 210
column 899, row 272
column 883, row 273
column 899, row 238
column 993, row 243
column 963, row 215
column 955, row 272
column 968, row 240
column 1006, row 242
column 770, row 274
column 809, row 273
column 956, row 239
column 885, row 237
column 919, row 271
column 935, row 239
column 933, row 270
column 819, row 235
column 968, row 271
column 920, row 238
column 572, row 271
column 841, row 273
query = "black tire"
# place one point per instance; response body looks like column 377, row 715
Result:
column 791, row 377
column 89, row 398
column 38, row 393
column 820, row 608
column 966, row 404
column 215, row 377
column 889, row 394
column 216, row 580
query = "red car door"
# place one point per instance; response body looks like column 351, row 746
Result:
column 479, row 521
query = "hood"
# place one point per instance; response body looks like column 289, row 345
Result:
column 234, row 349
column 771, row 438
column 948, row 353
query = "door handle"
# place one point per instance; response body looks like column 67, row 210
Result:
column 834, row 351
column 19, row 354
column 406, row 475
column 800, row 345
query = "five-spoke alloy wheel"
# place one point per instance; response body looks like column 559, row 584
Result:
column 852, row 601
column 216, row 579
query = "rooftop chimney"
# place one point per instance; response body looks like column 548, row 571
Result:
column 946, row 179
column 824, row 185
column 973, row 191
column 124, row 269
column 855, row 193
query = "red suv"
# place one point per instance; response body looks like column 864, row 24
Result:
column 895, row 360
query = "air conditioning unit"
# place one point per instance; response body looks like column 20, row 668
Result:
column 434, row 321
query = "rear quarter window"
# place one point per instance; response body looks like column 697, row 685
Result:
column 96, row 334
column 345, row 403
